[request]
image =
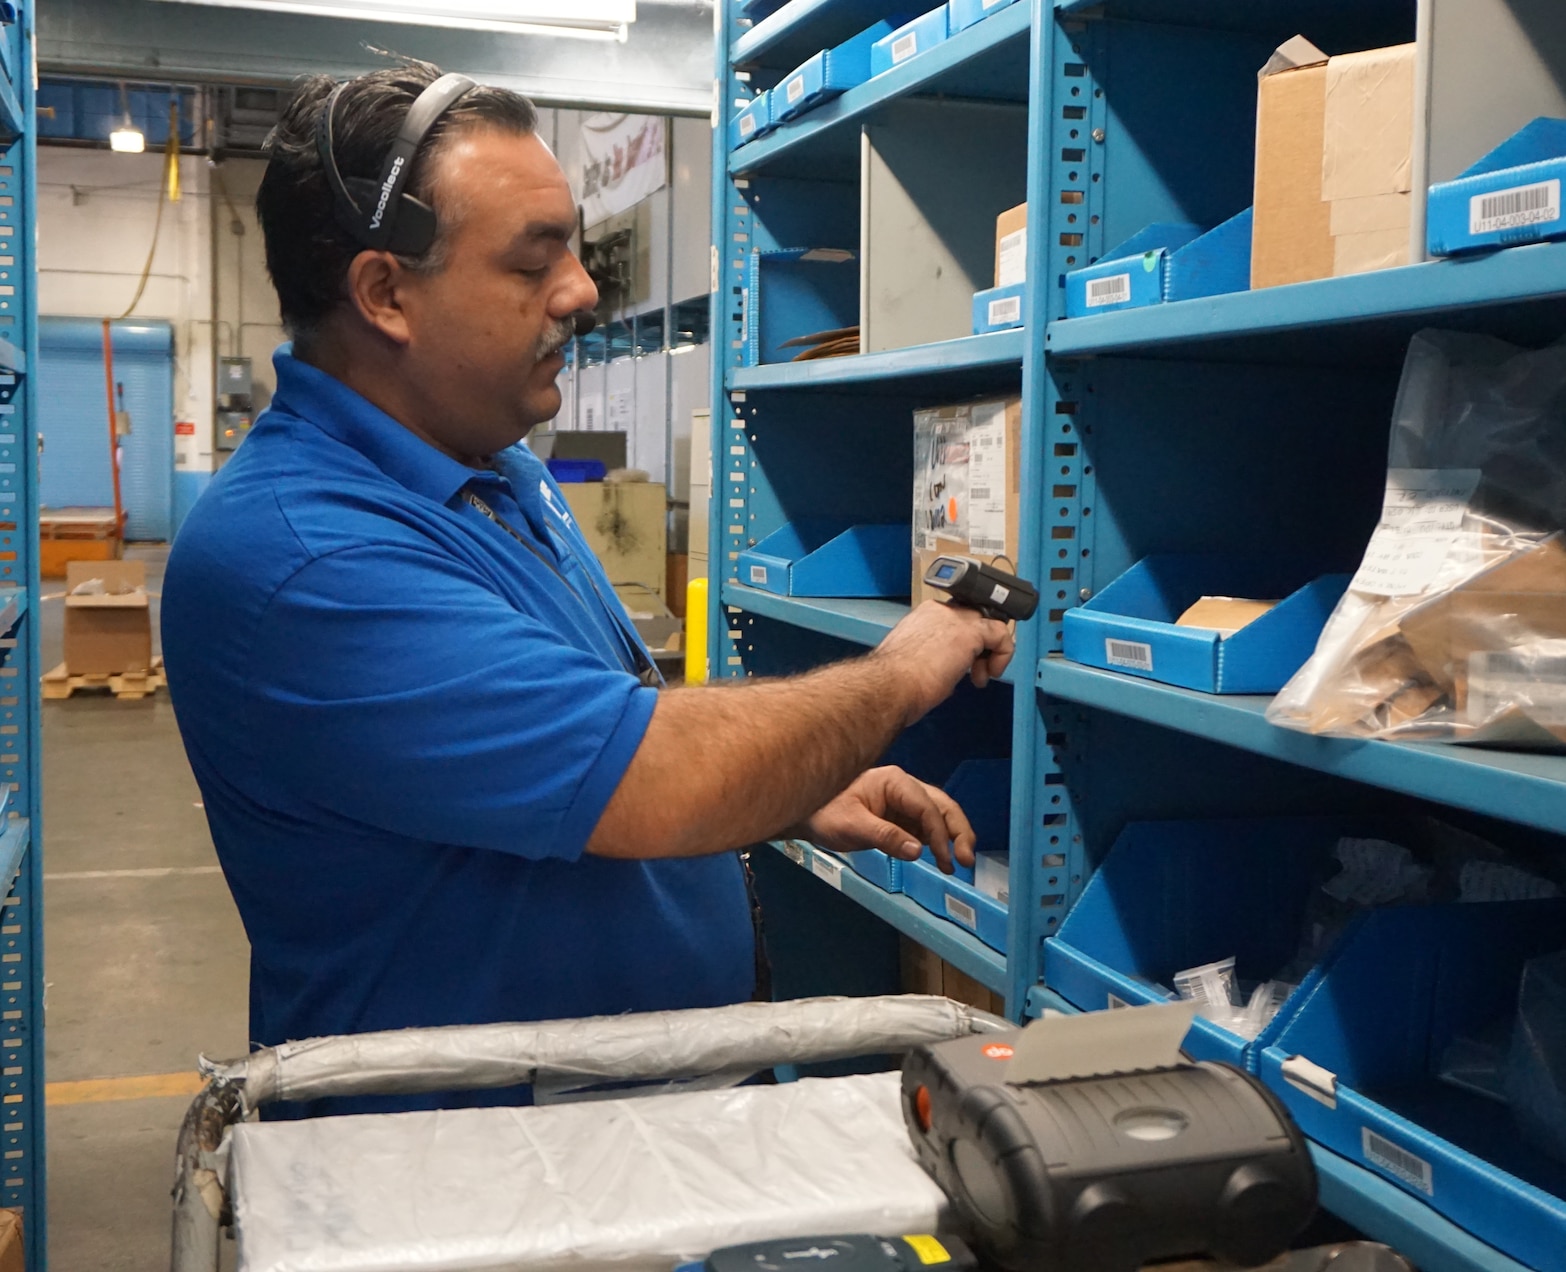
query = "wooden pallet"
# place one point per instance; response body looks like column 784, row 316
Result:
column 128, row 685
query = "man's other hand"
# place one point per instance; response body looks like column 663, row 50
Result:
column 885, row 808
column 937, row 645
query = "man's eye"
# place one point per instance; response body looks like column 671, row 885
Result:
column 540, row 272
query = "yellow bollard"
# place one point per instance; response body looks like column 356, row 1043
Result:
column 696, row 632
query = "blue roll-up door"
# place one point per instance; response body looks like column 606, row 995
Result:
column 73, row 418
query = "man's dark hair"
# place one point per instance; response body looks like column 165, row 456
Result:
column 307, row 251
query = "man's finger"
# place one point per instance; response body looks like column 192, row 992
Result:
column 908, row 801
column 958, row 828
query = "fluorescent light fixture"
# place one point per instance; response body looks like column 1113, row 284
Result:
column 127, row 140
column 581, row 19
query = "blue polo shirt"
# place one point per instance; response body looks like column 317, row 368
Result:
column 405, row 724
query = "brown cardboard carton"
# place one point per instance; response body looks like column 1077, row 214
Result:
column 967, row 485
column 12, row 1250
column 107, row 630
column 1226, row 614
column 1011, row 246
column 1291, row 237
column 921, row 968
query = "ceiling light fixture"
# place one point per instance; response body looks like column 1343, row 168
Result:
column 127, row 139
column 578, row 19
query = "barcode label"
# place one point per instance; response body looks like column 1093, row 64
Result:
column 796, row 89
column 905, row 48
column 1514, row 208
column 1413, row 1171
column 1114, row 290
column 1128, row 653
column 794, row 852
column 1008, row 309
column 747, row 125
column 758, row 574
column 979, row 492
column 962, row 912
column 827, row 868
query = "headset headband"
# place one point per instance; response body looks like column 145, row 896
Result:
column 378, row 213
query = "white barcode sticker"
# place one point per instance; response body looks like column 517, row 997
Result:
column 1008, row 309
column 796, row 89
column 758, row 574
column 1011, row 259
column 827, row 869
column 1413, row 1171
column 905, row 48
column 747, row 125
column 1512, row 209
column 1128, row 653
column 1114, row 290
column 962, row 912
column 1530, row 679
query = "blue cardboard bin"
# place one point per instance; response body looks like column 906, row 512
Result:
column 755, row 120
column 1173, row 895
column 964, row 13
column 797, row 293
column 1356, row 1063
column 1130, row 276
column 1511, row 196
column 1215, row 264
column 909, row 40
column 983, row 789
column 819, row 557
column 998, row 308
column 828, row 74
column 883, row 871
column 1130, row 626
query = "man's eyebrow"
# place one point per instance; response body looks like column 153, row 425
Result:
column 547, row 231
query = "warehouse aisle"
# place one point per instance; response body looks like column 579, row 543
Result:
column 145, row 962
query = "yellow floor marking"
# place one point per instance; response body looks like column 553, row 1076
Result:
column 147, row 1086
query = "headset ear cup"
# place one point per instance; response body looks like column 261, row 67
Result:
column 414, row 231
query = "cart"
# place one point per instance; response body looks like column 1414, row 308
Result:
column 629, row 1181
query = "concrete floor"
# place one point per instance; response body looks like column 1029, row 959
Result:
column 145, row 970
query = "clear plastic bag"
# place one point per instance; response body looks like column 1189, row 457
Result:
column 1454, row 627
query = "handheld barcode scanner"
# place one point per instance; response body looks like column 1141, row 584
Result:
column 992, row 592
column 1092, row 1144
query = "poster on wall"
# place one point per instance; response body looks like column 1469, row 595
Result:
column 624, row 159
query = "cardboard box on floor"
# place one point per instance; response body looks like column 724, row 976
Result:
column 1334, row 163
column 967, row 485
column 108, row 631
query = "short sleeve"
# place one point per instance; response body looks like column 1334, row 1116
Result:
column 417, row 701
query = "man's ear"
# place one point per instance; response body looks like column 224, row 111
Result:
column 374, row 280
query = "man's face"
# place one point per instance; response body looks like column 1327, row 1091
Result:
column 486, row 330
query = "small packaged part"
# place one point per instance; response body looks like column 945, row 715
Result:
column 1211, row 987
column 992, row 874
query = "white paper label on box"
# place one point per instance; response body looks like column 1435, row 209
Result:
column 1008, row 309
column 1114, row 290
column 1011, row 259
column 905, row 48
column 828, row 869
column 1531, row 679
column 987, row 479
column 1414, row 1171
column 1512, row 209
column 796, row 89
column 1128, row 653
column 747, row 125
column 1421, row 517
column 962, row 912
column 758, row 574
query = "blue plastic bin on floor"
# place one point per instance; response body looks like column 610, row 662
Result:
column 1373, row 1023
column 829, row 558
column 1178, row 894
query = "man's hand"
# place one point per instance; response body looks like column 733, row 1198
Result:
column 938, row 644
column 885, row 808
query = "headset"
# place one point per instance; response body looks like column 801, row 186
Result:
column 380, row 214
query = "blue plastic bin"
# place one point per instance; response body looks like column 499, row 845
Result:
column 1178, row 894
column 1511, row 196
column 1130, row 276
column 797, row 293
column 962, row 14
column 883, row 871
column 828, row 74
column 999, row 308
column 819, row 557
column 1373, row 1022
column 1217, row 263
column 1130, row 626
column 909, row 40
column 567, row 471
column 983, row 789
column 754, row 120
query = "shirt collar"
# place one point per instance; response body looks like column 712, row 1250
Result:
column 334, row 408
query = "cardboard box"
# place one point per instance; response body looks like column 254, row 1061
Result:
column 12, row 1248
column 910, row 40
column 967, row 485
column 1334, row 163
column 1011, row 246
column 108, row 628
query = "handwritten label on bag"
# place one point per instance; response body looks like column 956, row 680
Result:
column 1421, row 517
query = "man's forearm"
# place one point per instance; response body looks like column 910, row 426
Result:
column 724, row 766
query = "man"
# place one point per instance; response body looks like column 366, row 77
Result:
column 438, row 781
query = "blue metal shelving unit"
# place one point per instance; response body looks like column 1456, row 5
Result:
column 21, row 927
column 1249, row 422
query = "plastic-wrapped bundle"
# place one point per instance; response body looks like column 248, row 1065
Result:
column 1454, row 627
